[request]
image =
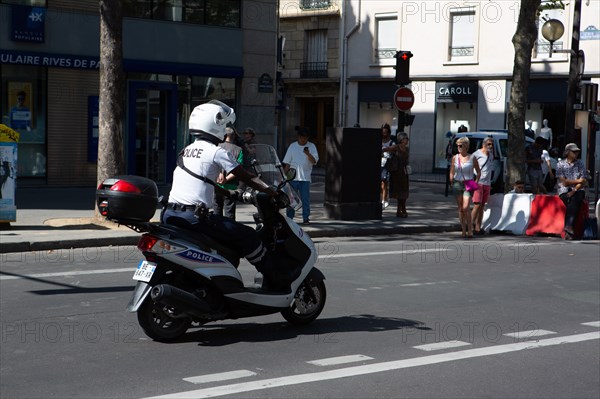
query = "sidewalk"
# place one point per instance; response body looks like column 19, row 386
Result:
column 61, row 218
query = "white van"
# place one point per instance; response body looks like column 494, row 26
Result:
column 500, row 153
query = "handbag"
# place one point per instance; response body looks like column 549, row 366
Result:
column 408, row 170
column 392, row 164
column 470, row 185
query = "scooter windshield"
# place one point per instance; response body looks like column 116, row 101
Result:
column 266, row 165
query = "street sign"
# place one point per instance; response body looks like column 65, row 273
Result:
column 404, row 99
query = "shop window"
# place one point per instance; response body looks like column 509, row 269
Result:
column 463, row 34
column 386, row 26
column 205, row 12
column 32, row 3
column 24, row 110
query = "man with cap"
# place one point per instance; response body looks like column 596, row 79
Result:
column 571, row 175
column 301, row 155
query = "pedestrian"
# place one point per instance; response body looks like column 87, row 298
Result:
column 450, row 136
column 301, row 155
column 226, row 206
column 518, row 187
column 461, row 171
column 399, row 180
column 388, row 149
column 548, row 180
column 248, row 140
column 533, row 159
column 572, row 180
column 485, row 159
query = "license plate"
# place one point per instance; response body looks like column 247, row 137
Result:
column 144, row 271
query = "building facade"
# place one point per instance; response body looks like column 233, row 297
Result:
column 309, row 69
column 177, row 55
column 461, row 69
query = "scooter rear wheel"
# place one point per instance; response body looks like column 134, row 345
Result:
column 158, row 324
column 308, row 303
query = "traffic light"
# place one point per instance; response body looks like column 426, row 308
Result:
column 403, row 67
column 405, row 119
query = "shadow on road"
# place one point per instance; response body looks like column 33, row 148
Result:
column 324, row 330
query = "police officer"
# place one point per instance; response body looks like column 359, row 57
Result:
column 190, row 193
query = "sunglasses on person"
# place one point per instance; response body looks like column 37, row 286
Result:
column 459, row 145
column 490, row 144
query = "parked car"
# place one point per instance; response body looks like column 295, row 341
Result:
column 499, row 169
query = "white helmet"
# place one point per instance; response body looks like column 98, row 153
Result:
column 212, row 118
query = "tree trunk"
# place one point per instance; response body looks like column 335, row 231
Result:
column 523, row 41
column 112, row 91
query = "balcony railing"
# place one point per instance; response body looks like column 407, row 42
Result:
column 385, row 53
column 314, row 4
column 462, row 51
column 544, row 47
column 313, row 70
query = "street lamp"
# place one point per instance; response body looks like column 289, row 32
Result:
column 552, row 30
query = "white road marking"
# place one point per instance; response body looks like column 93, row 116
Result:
column 441, row 345
column 429, row 283
column 378, row 367
column 325, row 256
column 71, row 273
column 340, row 360
column 228, row 375
column 529, row 333
column 411, row 250
column 592, row 324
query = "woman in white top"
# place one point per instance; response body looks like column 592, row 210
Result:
column 461, row 169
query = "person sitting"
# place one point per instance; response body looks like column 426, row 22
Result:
column 571, row 175
column 518, row 187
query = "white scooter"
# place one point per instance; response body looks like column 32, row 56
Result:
column 190, row 279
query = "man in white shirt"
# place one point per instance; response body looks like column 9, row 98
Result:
column 485, row 158
column 301, row 155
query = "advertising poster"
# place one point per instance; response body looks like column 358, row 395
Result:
column 20, row 101
column 8, row 173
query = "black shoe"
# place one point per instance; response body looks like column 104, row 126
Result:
column 306, row 221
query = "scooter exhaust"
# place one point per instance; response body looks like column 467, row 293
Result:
column 182, row 300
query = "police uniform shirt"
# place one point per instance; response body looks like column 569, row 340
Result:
column 204, row 159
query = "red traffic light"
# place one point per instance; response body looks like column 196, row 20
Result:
column 403, row 67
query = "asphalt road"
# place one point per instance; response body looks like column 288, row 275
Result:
column 416, row 317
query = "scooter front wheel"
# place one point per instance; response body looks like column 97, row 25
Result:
column 308, row 303
column 159, row 323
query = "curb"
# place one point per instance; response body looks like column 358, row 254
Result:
column 67, row 244
column 133, row 239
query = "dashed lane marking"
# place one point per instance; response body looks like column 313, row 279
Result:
column 71, row 273
column 229, row 375
column 592, row 324
column 249, row 386
column 528, row 334
column 331, row 361
column 441, row 345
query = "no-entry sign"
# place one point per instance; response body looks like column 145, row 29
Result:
column 404, row 99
